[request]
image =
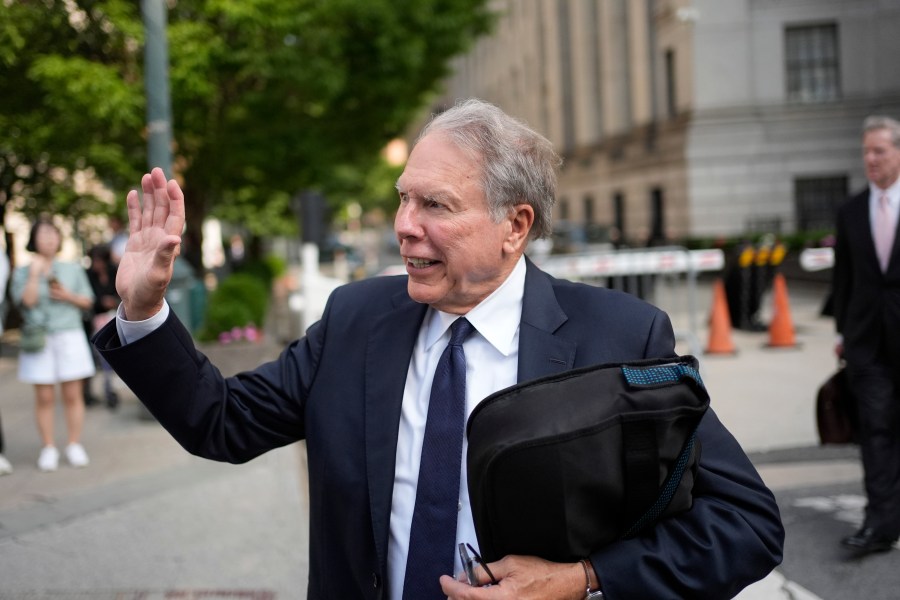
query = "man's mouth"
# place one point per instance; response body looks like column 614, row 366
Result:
column 420, row 263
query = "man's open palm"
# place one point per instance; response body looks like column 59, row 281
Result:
column 154, row 241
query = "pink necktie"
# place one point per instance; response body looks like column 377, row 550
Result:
column 884, row 233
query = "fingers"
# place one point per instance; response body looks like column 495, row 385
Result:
column 175, row 220
column 149, row 201
column 455, row 590
column 134, row 211
column 160, row 198
column 166, row 252
column 163, row 204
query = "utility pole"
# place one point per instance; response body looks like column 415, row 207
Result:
column 156, row 82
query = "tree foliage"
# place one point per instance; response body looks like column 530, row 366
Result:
column 72, row 101
column 269, row 97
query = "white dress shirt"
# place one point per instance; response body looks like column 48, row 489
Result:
column 893, row 194
column 494, row 349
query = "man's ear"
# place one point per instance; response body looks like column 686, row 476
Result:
column 520, row 219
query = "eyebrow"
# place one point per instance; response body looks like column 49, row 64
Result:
column 438, row 195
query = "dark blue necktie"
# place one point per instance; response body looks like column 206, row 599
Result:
column 432, row 538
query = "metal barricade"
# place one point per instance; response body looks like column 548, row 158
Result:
column 642, row 272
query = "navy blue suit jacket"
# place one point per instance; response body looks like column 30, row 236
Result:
column 340, row 388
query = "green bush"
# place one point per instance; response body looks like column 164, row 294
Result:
column 240, row 300
column 265, row 269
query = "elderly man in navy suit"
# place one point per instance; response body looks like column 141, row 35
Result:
column 866, row 283
column 369, row 390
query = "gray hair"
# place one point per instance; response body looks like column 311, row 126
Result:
column 518, row 165
column 881, row 122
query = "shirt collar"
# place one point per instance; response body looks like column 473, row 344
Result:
column 496, row 317
column 893, row 193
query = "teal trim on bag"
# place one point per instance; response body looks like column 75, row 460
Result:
column 660, row 375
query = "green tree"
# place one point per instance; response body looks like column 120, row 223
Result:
column 269, row 97
column 72, row 101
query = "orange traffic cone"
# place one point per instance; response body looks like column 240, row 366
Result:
column 720, row 323
column 781, row 328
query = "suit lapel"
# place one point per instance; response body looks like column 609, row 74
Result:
column 861, row 221
column 388, row 353
column 540, row 351
column 895, row 250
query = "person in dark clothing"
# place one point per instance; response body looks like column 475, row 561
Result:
column 867, row 314
column 102, row 277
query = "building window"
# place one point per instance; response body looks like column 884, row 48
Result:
column 816, row 199
column 563, row 209
column 657, row 218
column 588, row 210
column 671, row 98
column 812, row 62
column 618, row 216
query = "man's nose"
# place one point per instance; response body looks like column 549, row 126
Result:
column 406, row 222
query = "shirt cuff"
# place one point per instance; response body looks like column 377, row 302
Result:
column 132, row 331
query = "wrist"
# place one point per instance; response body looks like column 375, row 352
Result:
column 140, row 313
column 591, row 581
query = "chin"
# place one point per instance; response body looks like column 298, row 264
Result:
column 421, row 293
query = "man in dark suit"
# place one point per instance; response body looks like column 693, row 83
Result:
column 867, row 312
column 477, row 186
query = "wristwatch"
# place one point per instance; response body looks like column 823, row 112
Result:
column 588, row 594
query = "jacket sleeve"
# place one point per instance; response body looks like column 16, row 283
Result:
column 231, row 419
column 841, row 274
column 731, row 537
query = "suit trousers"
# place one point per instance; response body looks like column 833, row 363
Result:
column 878, row 398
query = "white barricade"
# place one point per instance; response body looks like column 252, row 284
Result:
column 632, row 262
column 817, row 259
column 605, row 266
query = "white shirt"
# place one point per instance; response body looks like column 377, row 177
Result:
column 893, row 194
column 132, row 331
column 494, row 349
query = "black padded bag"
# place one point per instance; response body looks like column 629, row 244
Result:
column 562, row 465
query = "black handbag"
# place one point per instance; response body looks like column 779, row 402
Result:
column 563, row 465
column 836, row 412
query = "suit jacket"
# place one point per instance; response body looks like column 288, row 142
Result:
column 866, row 300
column 340, row 388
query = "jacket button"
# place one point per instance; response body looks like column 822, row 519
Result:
column 376, row 580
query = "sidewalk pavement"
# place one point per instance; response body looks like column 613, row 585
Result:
column 147, row 520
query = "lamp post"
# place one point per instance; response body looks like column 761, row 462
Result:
column 156, row 83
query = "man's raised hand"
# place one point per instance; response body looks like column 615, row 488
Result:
column 154, row 240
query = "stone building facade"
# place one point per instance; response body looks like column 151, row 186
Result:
column 692, row 118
